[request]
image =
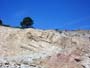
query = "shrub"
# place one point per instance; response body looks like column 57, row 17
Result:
column 6, row 25
column 1, row 22
column 27, row 22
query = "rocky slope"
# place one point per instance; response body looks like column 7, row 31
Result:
column 34, row 48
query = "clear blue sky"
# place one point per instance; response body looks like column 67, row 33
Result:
column 47, row 14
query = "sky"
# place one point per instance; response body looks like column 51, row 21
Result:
column 47, row 14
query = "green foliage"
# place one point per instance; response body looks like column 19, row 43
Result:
column 1, row 22
column 6, row 25
column 27, row 22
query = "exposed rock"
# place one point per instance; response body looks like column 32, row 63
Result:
column 34, row 48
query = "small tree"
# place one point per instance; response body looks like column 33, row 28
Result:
column 1, row 22
column 27, row 22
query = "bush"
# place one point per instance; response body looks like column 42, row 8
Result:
column 1, row 22
column 6, row 25
column 27, row 23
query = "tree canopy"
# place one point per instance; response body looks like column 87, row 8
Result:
column 27, row 23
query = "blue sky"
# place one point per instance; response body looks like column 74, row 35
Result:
column 47, row 14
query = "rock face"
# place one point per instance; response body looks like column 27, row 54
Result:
column 34, row 48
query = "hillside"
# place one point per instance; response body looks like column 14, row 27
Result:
column 35, row 48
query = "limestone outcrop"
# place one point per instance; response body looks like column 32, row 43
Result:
column 35, row 48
